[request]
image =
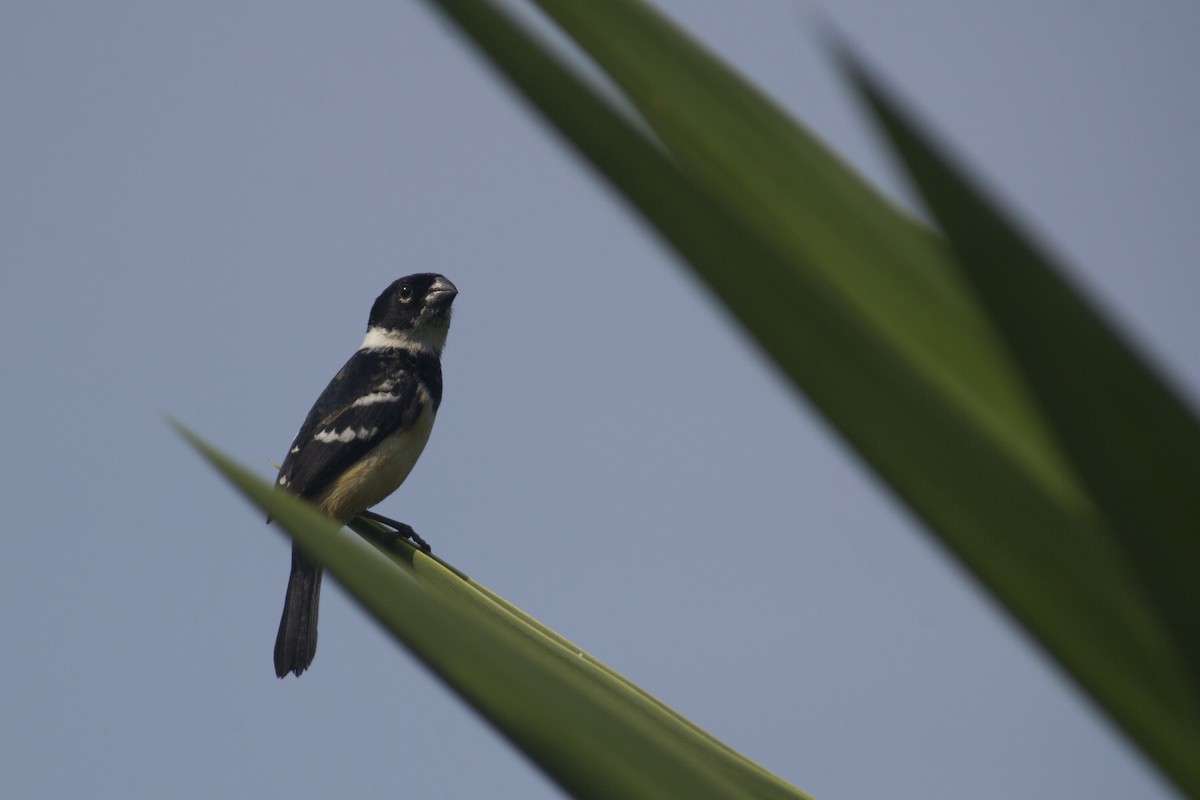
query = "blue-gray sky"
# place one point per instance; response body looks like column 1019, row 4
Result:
column 198, row 204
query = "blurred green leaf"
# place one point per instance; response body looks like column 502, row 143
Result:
column 763, row 168
column 589, row 729
column 866, row 311
column 1134, row 443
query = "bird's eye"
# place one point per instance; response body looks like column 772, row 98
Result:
column 406, row 292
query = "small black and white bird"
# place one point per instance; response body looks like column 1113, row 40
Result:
column 363, row 436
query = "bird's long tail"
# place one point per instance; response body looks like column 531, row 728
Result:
column 296, row 643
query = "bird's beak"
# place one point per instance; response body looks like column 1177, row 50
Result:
column 441, row 294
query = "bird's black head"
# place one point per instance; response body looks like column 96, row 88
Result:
column 412, row 312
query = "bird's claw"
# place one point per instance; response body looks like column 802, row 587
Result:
column 399, row 530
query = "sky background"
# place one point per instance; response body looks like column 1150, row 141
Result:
column 198, row 204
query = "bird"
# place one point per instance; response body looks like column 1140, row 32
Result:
column 363, row 436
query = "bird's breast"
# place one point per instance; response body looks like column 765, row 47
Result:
column 379, row 473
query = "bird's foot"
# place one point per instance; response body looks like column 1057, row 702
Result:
column 400, row 530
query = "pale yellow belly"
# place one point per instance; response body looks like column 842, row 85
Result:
column 379, row 474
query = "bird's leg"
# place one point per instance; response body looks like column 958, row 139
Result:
column 403, row 530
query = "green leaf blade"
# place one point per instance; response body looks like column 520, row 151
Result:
column 783, row 183
column 590, row 730
column 1132, row 441
column 865, row 310
column 988, row 502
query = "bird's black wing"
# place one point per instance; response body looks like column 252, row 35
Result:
column 376, row 393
